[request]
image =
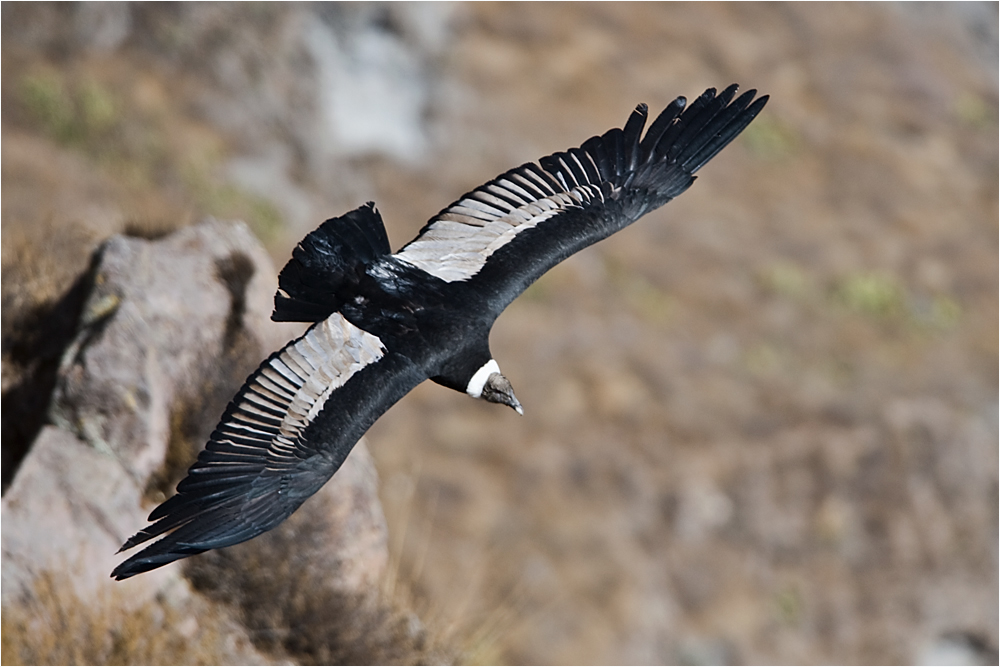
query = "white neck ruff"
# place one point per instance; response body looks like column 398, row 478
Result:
column 478, row 381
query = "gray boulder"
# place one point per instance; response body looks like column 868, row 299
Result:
column 168, row 332
column 167, row 325
column 67, row 511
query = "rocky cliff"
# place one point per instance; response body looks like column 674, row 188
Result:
column 168, row 329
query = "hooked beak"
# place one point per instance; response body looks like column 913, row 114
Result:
column 498, row 390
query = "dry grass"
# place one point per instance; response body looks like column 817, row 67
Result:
column 56, row 627
column 290, row 603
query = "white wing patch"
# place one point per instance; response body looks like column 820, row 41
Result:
column 289, row 390
column 456, row 245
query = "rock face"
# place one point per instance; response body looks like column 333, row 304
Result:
column 168, row 332
column 163, row 321
column 68, row 510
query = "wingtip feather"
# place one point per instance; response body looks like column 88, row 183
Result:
column 632, row 132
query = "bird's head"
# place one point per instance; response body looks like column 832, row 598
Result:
column 498, row 390
column 490, row 385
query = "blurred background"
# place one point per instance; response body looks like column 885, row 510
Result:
column 760, row 425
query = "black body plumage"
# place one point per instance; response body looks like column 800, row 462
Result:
column 385, row 322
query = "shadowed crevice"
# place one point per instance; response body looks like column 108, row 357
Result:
column 36, row 343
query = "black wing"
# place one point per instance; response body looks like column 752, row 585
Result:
column 502, row 236
column 282, row 437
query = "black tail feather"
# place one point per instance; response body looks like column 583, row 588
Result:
column 327, row 261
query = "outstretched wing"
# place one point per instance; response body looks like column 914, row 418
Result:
column 502, row 236
column 282, row 437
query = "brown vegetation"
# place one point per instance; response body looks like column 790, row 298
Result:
column 303, row 618
column 56, row 627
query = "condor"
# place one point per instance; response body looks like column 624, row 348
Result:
column 384, row 322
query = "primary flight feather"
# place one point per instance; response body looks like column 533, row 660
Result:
column 384, row 322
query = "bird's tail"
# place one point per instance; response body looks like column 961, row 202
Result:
column 326, row 262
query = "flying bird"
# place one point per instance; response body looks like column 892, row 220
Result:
column 384, row 322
